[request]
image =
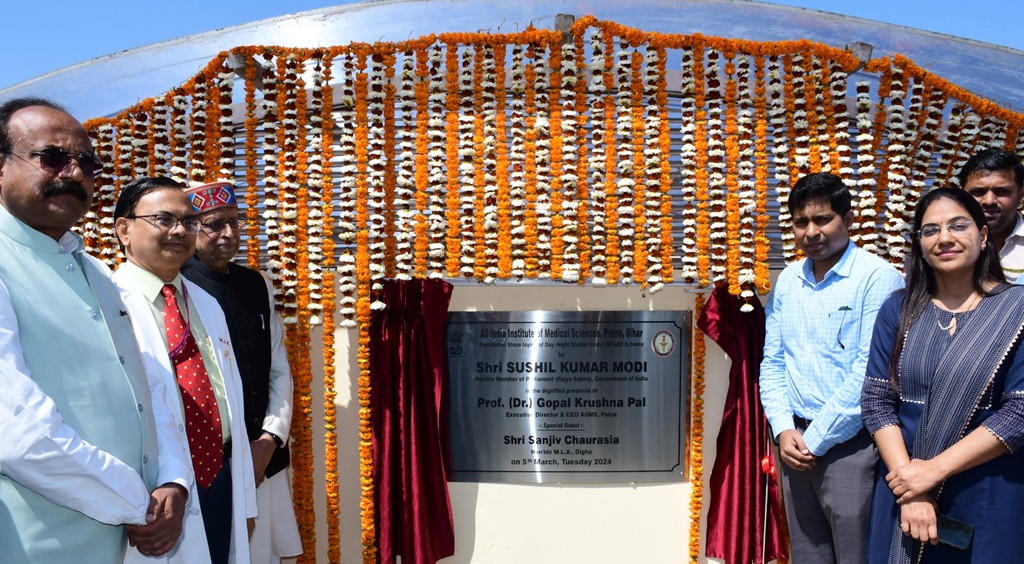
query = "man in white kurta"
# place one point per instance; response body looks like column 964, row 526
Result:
column 83, row 448
column 155, row 224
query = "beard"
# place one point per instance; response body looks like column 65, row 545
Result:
column 62, row 186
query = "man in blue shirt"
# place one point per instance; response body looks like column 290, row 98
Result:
column 820, row 317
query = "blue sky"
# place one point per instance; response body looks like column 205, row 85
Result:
column 39, row 38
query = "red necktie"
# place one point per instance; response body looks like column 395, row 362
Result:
column 202, row 418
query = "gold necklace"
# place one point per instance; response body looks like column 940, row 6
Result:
column 951, row 328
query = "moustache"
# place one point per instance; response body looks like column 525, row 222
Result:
column 65, row 186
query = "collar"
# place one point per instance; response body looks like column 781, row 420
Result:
column 842, row 268
column 199, row 267
column 25, row 235
column 1017, row 233
column 147, row 283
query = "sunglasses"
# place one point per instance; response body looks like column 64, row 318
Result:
column 54, row 161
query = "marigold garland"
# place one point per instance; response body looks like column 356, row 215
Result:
column 697, row 431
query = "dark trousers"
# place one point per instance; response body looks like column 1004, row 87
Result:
column 828, row 506
column 215, row 502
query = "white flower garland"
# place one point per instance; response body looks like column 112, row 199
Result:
column 345, row 157
column 652, row 171
column 687, row 168
column 625, row 169
column 489, row 110
column 951, row 144
column 517, row 162
column 315, row 181
column 745, row 180
column 570, row 161
column 436, row 158
column 288, row 175
column 896, row 200
column 467, row 166
column 405, row 179
column 542, row 167
column 865, row 228
column 271, row 121
column 716, row 166
column 226, row 141
column 780, row 152
column 197, row 143
column 179, row 138
column 161, row 128
column 377, row 164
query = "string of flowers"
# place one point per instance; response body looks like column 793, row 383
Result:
column 688, row 166
column 761, row 244
column 314, row 155
column 817, row 122
column 288, row 184
column 779, row 118
column 731, row 232
column 388, row 59
column 611, row 203
column 478, row 217
column 541, row 193
column 626, row 79
column 348, row 157
column 273, row 130
column 97, row 226
column 597, row 160
column 159, row 138
column 697, row 431
column 718, row 191
column 225, row 121
column 841, row 156
column 744, row 249
column 325, row 121
column 405, row 180
column 421, row 93
column 488, row 260
column 436, row 158
column 467, row 223
column 651, row 174
column 581, row 198
column 899, row 194
column 700, row 136
column 197, row 129
column 878, row 135
column 637, row 244
column 864, row 227
column 951, row 144
column 376, row 166
column 659, row 279
column 562, row 152
column 179, row 137
column 252, row 196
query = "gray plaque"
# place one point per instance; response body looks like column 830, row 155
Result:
column 546, row 396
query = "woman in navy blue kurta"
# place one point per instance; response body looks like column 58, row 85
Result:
column 948, row 438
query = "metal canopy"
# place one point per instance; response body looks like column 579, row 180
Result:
column 105, row 86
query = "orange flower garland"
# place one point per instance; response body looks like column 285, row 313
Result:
column 697, row 431
column 252, row 198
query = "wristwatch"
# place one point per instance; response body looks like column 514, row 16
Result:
column 277, row 440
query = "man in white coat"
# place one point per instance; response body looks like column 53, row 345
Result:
column 184, row 339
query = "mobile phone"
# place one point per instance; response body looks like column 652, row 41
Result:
column 953, row 532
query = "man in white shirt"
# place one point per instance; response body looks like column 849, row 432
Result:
column 995, row 178
column 185, row 340
column 81, row 445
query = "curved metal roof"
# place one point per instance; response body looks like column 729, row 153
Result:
column 108, row 84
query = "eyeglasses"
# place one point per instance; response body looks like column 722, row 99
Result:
column 218, row 225
column 54, row 161
column 168, row 222
column 955, row 227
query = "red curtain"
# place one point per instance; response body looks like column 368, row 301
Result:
column 741, row 529
column 409, row 397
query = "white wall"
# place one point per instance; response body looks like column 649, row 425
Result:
column 539, row 524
